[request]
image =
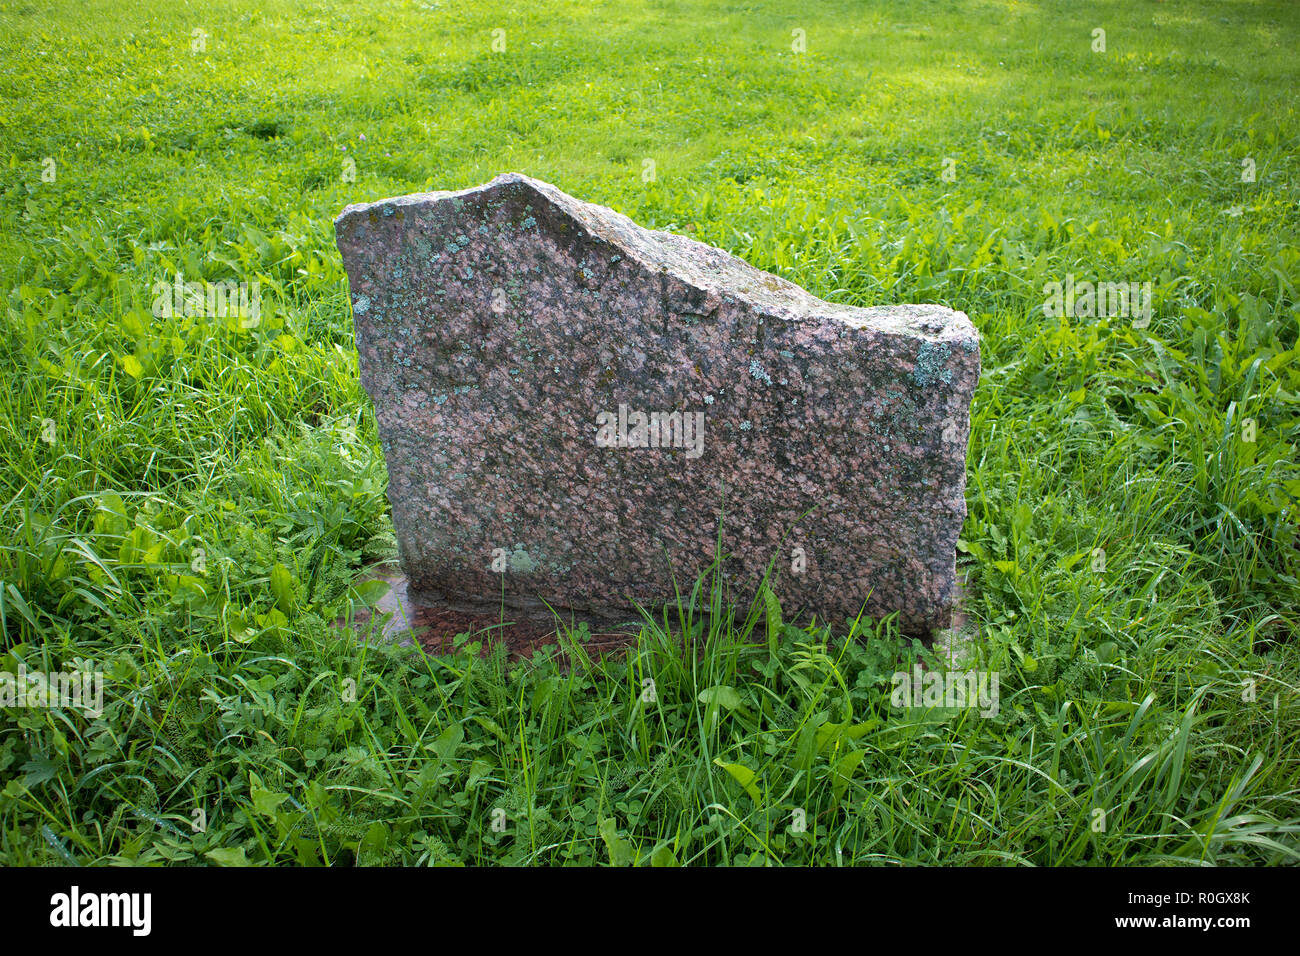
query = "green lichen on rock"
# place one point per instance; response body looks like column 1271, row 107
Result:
column 521, row 561
column 930, row 368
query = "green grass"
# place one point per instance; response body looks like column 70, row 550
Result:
column 186, row 504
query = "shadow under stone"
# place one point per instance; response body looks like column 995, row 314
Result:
column 434, row 622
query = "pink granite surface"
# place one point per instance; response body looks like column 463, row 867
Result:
column 495, row 325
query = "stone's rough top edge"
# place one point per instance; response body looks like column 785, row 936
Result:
column 360, row 210
column 703, row 267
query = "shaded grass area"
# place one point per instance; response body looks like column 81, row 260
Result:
column 186, row 503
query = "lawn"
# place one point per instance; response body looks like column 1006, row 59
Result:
column 188, row 504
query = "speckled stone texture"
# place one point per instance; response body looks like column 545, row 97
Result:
column 510, row 334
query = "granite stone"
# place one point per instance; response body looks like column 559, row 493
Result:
column 577, row 411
